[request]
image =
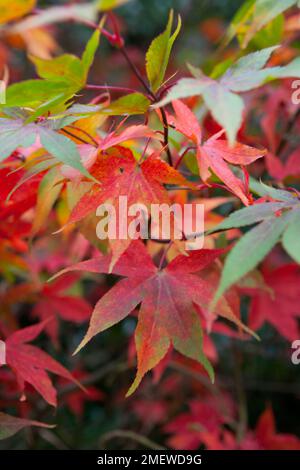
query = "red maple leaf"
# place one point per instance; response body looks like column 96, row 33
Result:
column 202, row 423
column 264, row 436
column 121, row 175
column 89, row 153
column 30, row 364
column 12, row 227
column 167, row 316
column 215, row 154
column 277, row 304
column 281, row 170
column 269, row 439
column 52, row 301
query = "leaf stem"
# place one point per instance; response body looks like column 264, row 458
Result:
column 181, row 157
column 162, row 259
column 94, row 141
column 166, row 136
column 109, row 87
column 76, row 137
column 137, row 73
column 153, row 97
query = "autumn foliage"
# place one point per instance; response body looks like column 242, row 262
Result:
column 144, row 341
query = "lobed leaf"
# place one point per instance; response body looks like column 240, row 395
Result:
column 250, row 250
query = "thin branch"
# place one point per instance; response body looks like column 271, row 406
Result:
column 75, row 137
column 133, row 436
column 137, row 73
column 94, row 141
column 181, row 157
column 120, row 89
column 166, row 135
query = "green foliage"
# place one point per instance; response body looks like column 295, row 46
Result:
column 253, row 16
column 250, row 250
column 16, row 133
column 277, row 219
column 158, row 54
column 222, row 95
column 291, row 237
column 62, row 77
column 134, row 103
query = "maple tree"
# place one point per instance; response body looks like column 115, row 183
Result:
column 223, row 135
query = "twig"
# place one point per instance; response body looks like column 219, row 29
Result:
column 94, row 141
column 121, row 89
column 137, row 73
column 75, row 137
column 166, row 135
column 181, row 157
column 133, row 436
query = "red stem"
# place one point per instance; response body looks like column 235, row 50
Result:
column 109, row 87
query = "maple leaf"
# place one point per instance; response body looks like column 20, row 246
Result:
column 89, row 152
column 215, row 154
column 30, row 364
column 114, row 138
column 276, row 220
column 204, row 419
column 10, row 425
column 13, row 228
column 279, row 170
column 269, row 439
column 166, row 316
column 53, row 302
column 276, row 108
column 277, row 304
column 222, row 96
column 121, row 175
column 15, row 133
